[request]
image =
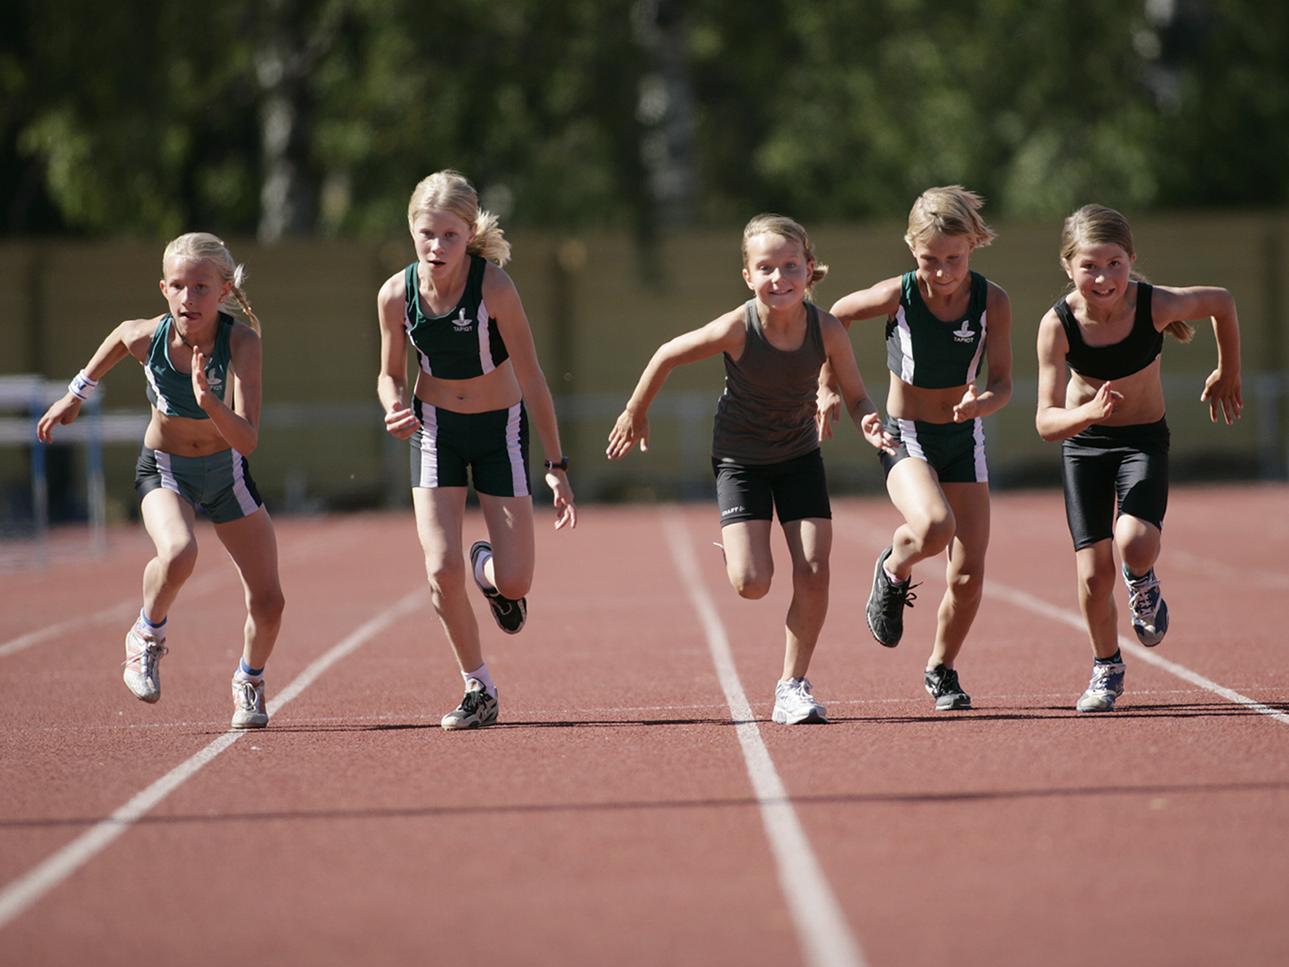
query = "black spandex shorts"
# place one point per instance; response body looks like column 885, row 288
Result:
column 488, row 449
column 796, row 488
column 1108, row 464
column 955, row 451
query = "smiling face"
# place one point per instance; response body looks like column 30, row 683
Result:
column 440, row 239
column 1100, row 272
column 777, row 270
column 943, row 261
column 194, row 290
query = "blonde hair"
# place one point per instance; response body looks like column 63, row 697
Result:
column 767, row 223
column 449, row 191
column 948, row 210
column 1099, row 225
column 209, row 248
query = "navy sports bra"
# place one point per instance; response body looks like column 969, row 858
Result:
column 929, row 352
column 1129, row 355
column 462, row 343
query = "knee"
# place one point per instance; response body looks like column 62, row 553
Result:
column 179, row 559
column 267, row 606
column 751, row 585
column 811, row 576
column 513, row 586
column 1095, row 585
column 967, row 585
column 446, row 575
column 934, row 532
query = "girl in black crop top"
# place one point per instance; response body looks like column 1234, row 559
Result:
column 1109, row 414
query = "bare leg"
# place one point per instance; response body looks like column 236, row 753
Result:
column 965, row 572
column 810, row 544
column 440, row 514
column 514, row 551
column 748, row 562
column 929, row 522
column 169, row 521
column 1098, row 578
column 252, row 544
column 1138, row 542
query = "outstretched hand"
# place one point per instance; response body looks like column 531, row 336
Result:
column 827, row 411
column 565, row 509
column 1223, row 391
column 61, row 413
column 629, row 428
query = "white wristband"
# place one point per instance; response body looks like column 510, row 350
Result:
column 81, row 386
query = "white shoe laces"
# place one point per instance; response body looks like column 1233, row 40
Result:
column 147, row 656
column 1101, row 675
column 797, row 691
column 247, row 695
column 1143, row 604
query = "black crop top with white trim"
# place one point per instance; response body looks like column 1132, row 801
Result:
column 1129, row 355
column 463, row 342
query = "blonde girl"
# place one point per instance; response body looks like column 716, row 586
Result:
column 468, row 420
column 945, row 325
column 765, row 445
column 202, row 367
column 1109, row 414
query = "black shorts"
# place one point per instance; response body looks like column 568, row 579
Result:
column 219, row 484
column 488, row 449
column 796, row 488
column 955, row 451
column 1108, row 464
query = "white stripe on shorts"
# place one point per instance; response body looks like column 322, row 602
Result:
column 978, row 453
column 429, row 446
column 242, row 492
column 515, row 452
column 909, row 437
column 168, row 481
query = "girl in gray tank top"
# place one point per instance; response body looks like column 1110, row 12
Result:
column 765, row 444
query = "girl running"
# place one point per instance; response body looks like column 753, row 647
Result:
column 203, row 373
column 765, row 446
column 942, row 322
column 468, row 419
column 1109, row 415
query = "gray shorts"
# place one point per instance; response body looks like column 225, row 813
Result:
column 219, row 484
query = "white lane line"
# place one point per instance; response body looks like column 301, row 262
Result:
column 822, row 931
column 24, row 891
column 1036, row 605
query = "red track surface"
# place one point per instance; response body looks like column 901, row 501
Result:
column 612, row 817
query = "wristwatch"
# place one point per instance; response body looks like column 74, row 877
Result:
column 560, row 464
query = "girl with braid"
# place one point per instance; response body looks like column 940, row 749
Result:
column 765, row 444
column 203, row 380
column 1101, row 394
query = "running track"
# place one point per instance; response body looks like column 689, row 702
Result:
column 637, row 806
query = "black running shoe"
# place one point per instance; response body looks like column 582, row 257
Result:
column 886, row 604
column 942, row 685
column 510, row 614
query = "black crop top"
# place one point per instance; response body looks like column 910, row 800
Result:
column 1127, row 356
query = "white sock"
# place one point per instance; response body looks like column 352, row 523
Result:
column 481, row 674
column 479, row 574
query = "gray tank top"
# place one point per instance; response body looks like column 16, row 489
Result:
column 767, row 412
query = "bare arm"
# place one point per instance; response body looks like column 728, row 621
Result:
column 722, row 335
column 507, row 308
column 1053, row 420
column 877, row 301
column 1222, row 387
column 391, row 382
column 841, row 359
column 998, row 390
column 239, row 424
column 130, row 338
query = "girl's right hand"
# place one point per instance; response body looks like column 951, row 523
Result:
column 60, row 414
column 401, row 423
column 629, row 428
column 827, row 411
column 1103, row 405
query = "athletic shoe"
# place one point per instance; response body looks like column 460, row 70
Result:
column 143, row 653
column 510, row 614
column 476, row 710
column 942, row 685
column 248, row 704
column 794, row 705
column 1149, row 611
column 1106, row 686
column 886, row 604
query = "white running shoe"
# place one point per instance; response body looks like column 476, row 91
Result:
column 794, row 704
column 248, row 704
column 476, row 710
column 1149, row 610
column 143, row 653
column 1104, row 689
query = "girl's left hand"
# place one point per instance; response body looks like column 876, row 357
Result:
column 200, row 385
column 1223, row 391
column 968, row 407
column 827, row 411
column 565, row 509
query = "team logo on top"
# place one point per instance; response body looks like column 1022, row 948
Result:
column 215, row 381
column 964, row 333
column 461, row 323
